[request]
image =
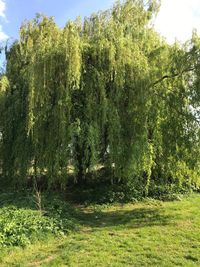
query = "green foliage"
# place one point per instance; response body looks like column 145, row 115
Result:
column 106, row 92
column 18, row 225
column 21, row 224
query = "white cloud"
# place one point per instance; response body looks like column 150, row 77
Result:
column 177, row 19
column 2, row 9
column 3, row 35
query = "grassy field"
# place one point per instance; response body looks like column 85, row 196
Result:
column 149, row 233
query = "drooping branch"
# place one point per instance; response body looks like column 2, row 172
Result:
column 171, row 76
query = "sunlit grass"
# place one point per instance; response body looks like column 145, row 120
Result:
column 150, row 233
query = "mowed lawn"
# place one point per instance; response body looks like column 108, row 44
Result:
column 149, row 233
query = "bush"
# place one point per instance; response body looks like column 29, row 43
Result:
column 21, row 226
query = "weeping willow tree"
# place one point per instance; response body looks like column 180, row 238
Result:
column 43, row 69
column 3, row 87
column 53, row 72
column 107, row 91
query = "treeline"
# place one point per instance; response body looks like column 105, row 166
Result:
column 106, row 92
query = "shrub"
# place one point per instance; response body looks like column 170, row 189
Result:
column 20, row 226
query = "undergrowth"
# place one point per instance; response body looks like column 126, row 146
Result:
column 21, row 223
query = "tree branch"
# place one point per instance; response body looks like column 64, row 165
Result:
column 170, row 76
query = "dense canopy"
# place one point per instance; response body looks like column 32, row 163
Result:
column 103, row 93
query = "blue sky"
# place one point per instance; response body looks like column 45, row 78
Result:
column 176, row 19
column 14, row 12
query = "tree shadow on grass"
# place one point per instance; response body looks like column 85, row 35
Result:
column 137, row 217
column 19, row 199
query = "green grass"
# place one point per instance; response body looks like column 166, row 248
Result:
column 149, row 233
